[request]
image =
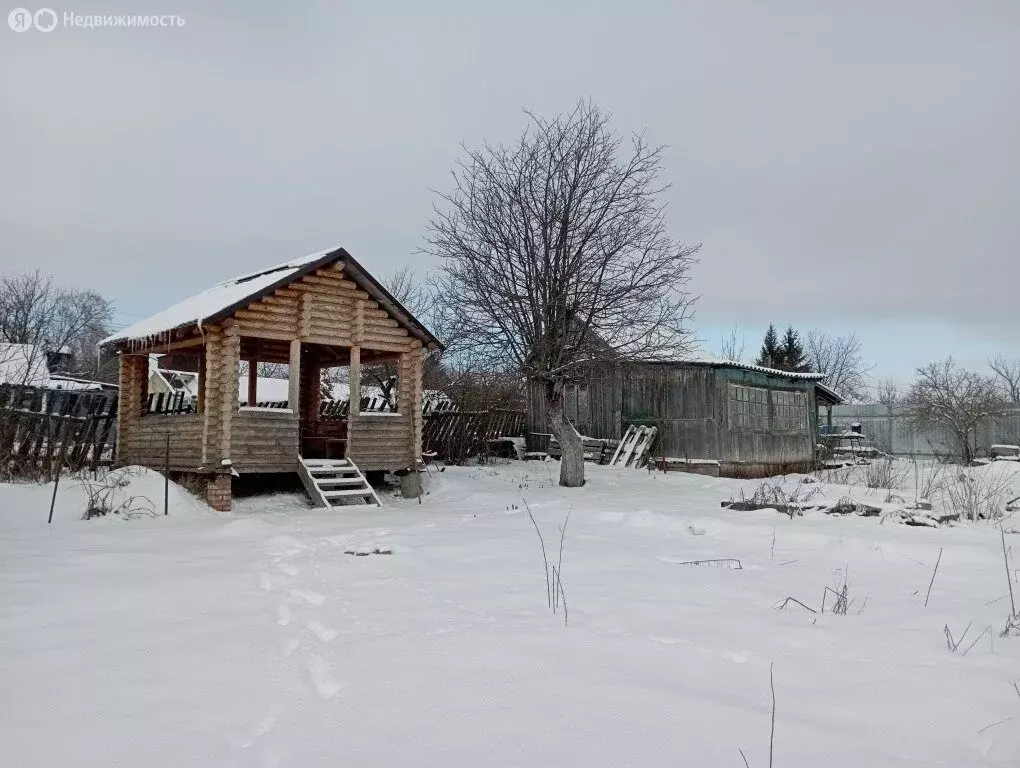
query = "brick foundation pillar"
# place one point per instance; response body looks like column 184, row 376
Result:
column 218, row 494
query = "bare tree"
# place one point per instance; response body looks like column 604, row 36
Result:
column 732, row 347
column 887, row 392
column 841, row 359
column 953, row 400
column 36, row 312
column 1007, row 373
column 405, row 286
column 557, row 257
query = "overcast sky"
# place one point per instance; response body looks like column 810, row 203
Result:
column 853, row 166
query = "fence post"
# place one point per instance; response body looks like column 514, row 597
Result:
column 56, row 481
column 166, row 477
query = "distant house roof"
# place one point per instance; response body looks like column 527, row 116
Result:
column 698, row 358
column 225, row 298
column 23, row 364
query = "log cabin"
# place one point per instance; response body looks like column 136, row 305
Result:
column 321, row 311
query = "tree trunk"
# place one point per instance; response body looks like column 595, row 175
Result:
column 964, row 439
column 572, row 458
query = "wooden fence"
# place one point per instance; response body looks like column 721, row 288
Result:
column 42, row 429
column 457, row 435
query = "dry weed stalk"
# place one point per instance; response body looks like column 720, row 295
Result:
column 555, row 595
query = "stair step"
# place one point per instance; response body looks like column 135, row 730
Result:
column 327, row 482
column 316, row 471
column 351, row 492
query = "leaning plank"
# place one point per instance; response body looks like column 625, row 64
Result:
column 640, row 456
column 628, row 450
column 619, row 449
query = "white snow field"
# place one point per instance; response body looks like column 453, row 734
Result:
column 252, row 639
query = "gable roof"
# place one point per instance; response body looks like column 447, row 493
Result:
column 223, row 299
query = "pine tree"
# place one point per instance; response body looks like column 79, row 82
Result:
column 793, row 356
column 771, row 355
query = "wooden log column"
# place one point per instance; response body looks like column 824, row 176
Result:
column 231, row 358
column 294, row 380
column 253, row 383
column 354, row 371
column 134, row 374
column 355, row 395
column 417, row 368
column 212, row 398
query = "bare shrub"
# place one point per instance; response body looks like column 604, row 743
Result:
column 836, row 599
column 103, row 489
column 977, row 495
column 884, row 473
column 929, row 480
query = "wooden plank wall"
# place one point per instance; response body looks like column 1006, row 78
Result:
column 537, row 427
column 775, row 448
column 689, row 405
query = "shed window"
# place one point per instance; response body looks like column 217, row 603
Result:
column 749, row 407
column 789, row 410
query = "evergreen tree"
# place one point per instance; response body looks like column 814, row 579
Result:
column 771, row 355
column 793, row 356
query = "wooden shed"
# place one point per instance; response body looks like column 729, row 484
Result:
column 746, row 420
column 321, row 311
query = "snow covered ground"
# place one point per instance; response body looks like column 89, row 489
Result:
column 251, row 639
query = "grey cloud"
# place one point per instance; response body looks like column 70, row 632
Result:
column 864, row 150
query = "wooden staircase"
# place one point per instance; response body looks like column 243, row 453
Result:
column 334, row 482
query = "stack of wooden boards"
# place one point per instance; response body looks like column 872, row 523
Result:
column 632, row 451
column 595, row 449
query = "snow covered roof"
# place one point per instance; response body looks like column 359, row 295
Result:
column 829, row 394
column 23, row 364
column 223, row 299
column 699, row 358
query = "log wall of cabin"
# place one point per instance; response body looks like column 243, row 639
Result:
column 265, row 441
column 134, row 377
column 146, row 445
column 381, row 441
column 323, row 308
